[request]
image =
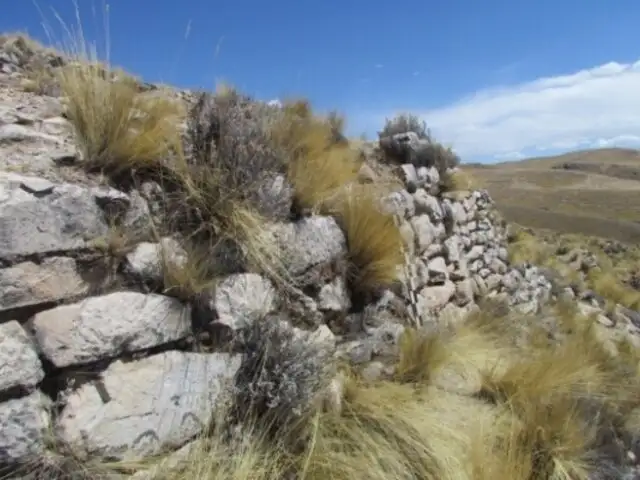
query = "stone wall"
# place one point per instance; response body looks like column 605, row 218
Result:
column 114, row 373
column 457, row 249
column 95, row 355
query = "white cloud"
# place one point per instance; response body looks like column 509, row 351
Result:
column 590, row 108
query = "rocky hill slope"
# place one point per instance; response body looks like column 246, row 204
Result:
column 125, row 329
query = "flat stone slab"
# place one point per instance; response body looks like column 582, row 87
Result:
column 109, row 325
column 30, row 284
column 38, row 217
column 153, row 404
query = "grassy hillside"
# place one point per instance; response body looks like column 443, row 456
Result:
column 594, row 192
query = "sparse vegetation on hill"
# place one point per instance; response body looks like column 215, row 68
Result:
column 608, row 268
column 594, row 193
column 498, row 395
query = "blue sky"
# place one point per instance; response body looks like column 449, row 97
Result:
column 496, row 79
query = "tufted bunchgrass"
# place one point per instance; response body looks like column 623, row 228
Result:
column 317, row 167
column 118, row 129
column 375, row 245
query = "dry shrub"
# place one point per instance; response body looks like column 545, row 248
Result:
column 425, row 152
column 232, row 181
column 282, row 374
column 232, row 157
column 403, row 123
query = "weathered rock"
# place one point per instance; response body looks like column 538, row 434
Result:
column 159, row 402
column 425, row 231
column 61, row 219
column 242, row 298
column 464, row 292
column 512, row 280
column 430, row 177
column 436, row 297
column 20, row 133
column 373, row 371
column 334, row 297
column 630, row 315
column 475, row 253
column 452, row 248
column 148, row 260
column 479, row 286
column 400, row 203
column 24, row 427
column 109, row 325
column 275, row 195
column 438, row 272
column 29, row 284
column 310, row 246
column 19, row 362
column 323, row 336
column 410, row 177
column 428, row 204
column 381, row 341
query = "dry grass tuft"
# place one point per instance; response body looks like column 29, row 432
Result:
column 525, row 247
column 420, row 354
column 607, row 284
column 250, row 459
column 318, row 166
column 371, row 440
column 190, row 276
column 118, row 129
column 374, row 242
column 566, row 398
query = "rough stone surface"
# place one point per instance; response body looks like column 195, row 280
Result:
column 334, row 296
column 155, row 403
column 109, row 325
column 19, row 362
column 243, row 298
column 64, row 218
column 24, row 426
column 310, row 245
column 147, row 259
column 29, row 284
